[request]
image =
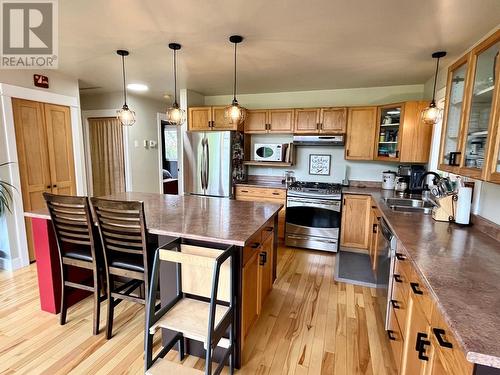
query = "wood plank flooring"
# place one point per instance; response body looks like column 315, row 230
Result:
column 310, row 325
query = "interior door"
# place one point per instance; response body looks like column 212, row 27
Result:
column 60, row 149
column 32, row 153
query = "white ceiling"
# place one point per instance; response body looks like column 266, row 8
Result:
column 289, row 45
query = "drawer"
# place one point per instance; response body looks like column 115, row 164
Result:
column 267, row 231
column 399, row 301
column 421, row 295
column 252, row 247
column 451, row 355
column 395, row 338
column 260, row 192
column 402, row 265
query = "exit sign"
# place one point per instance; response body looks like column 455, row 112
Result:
column 41, row 81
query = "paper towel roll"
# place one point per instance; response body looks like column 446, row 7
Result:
column 462, row 215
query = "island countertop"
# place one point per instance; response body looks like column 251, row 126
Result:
column 199, row 218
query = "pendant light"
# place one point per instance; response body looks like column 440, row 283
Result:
column 432, row 114
column 235, row 114
column 175, row 115
column 125, row 115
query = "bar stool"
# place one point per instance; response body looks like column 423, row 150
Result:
column 122, row 227
column 202, row 310
column 74, row 232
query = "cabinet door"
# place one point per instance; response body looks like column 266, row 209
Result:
column 493, row 172
column 415, row 136
column 280, row 120
column 307, row 120
column 396, row 338
column 199, row 118
column 480, row 110
column 250, row 293
column 374, row 238
column 356, row 221
column 265, row 270
column 418, row 336
column 388, row 133
column 333, row 120
column 361, row 124
column 60, row 149
column 450, row 154
column 256, row 121
column 219, row 122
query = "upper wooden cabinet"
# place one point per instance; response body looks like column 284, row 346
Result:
column 320, row 120
column 469, row 142
column 361, row 124
column 208, row 118
column 269, row 121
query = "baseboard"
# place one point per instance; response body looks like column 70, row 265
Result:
column 11, row 264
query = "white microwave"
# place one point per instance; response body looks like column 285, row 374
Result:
column 269, row 152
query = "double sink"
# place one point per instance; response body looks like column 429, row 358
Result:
column 410, row 204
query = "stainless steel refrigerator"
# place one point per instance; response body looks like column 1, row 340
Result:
column 212, row 161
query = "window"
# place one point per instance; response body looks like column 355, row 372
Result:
column 170, row 144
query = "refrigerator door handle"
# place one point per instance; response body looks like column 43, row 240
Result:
column 202, row 172
column 207, row 167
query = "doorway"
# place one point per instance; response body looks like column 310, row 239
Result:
column 169, row 151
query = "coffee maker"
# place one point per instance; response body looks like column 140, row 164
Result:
column 411, row 174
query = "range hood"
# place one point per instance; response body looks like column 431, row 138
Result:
column 319, row 140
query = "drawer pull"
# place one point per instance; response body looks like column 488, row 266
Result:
column 414, row 288
column 255, row 245
column 438, row 332
column 390, row 333
column 400, row 256
column 420, row 346
column 244, row 191
column 269, row 229
column 395, row 304
column 262, row 258
column 397, row 278
column 275, row 193
column 374, row 229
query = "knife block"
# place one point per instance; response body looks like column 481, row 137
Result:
column 446, row 210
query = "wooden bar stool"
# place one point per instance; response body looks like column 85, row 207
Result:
column 122, row 228
column 202, row 310
column 74, row 232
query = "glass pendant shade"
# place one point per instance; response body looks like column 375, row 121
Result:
column 176, row 115
column 126, row 116
column 235, row 114
column 432, row 114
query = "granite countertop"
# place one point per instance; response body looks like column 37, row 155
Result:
column 461, row 266
column 201, row 218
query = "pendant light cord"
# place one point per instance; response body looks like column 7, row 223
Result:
column 435, row 80
column 234, row 88
column 175, row 79
column 124, row 87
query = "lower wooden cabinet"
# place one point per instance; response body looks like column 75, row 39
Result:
column 250, row 298
column 356, row 214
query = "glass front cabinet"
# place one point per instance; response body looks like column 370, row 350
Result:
column 469, row 142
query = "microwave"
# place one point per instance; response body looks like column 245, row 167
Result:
column 269, row 152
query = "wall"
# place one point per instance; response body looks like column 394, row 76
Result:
column 487, row 194
column 144, row 164
column 356, row 170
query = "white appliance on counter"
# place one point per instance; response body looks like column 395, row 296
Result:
column 388, row 180
column 269, row 152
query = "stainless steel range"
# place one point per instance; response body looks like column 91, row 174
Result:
column 313, row 215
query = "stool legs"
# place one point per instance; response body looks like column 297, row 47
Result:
column 64, row 305
column 97, row 303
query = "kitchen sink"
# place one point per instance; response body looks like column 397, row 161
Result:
column 409, row 205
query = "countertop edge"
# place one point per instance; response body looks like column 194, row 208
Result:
column 262, row 185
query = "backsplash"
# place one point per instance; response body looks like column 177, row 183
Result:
column 356, row 170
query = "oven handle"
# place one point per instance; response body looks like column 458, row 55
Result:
column 296, row 237
column 313, row 203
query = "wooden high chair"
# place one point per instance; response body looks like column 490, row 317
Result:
column 202, row 310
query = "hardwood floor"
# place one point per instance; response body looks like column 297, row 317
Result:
column 310, row 325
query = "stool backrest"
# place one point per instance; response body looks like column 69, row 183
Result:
column 72, row 222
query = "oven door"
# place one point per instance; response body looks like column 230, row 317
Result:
column 313, row 223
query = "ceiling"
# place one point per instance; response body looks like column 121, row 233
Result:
column 289, row 45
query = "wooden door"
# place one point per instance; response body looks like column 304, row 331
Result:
column 32, row 154
column 199, row 118
column 280, row 120
column 265, row 270
column 415, row 135
column 250, row 293
column 418, row 335
column 374, row 238
column 396, row 338
column 256, row 121
column 219, row 121
column 60, row 149
column 356, row 214
column 361, row 124
column 333, row 120
column 307, row 120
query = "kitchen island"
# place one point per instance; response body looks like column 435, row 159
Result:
column 246, row 225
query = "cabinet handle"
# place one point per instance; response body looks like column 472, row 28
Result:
column 400, row 256
column 420, row 346
column 438, row 332
column 54, row 186
column 390, row 333
column 397, row 278
column 262, row 258
column 414, row 288
column 344, row 201
column 321, row 126
column 48, row 186
column 255, row 245
column 395, row 304
column 244, row 191
column 276, row 193
column 347, row 152
column 269, row 229
column 374, row 230
column 397, row 153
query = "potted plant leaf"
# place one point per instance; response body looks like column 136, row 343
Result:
column 5, row 194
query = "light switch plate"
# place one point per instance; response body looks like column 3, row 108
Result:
column 152, row 144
